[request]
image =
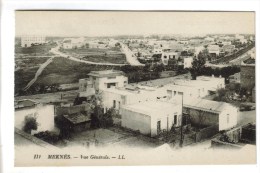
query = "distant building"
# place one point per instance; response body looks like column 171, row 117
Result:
column 28, row 41
column 207, row 113
column 238, row 36
column 67, row 44
column 107, row 79
column 235, row 78
column 174, row 47
column 243, row 40
column 188, row 62
column 198, row 49
column 228, row 48
column 209, row 39
column 70, row 43
column 226, row 43
column 151, row 117
column 213, row 49
column 166, row 56
column 184, row 42
column 157, row 50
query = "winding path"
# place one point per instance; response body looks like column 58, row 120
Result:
column 130, row 57
column 61, row 54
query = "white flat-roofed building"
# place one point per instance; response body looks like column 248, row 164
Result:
column 169, row 55
column 28, row 41
column 183, row 41
column 107, row 79
column 226, row 42
column 198, row 88
column 243, row 40
column 207, row 113
column 44, row 114
column 86, row 88
column 151, row 117
column 116, row 97
column 70, row 43
column 211, row 82
column 214, row 49
column 198, row 49
column 188, row 91
column 188, row 62
column 157, row 50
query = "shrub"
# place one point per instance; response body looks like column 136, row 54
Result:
column 30, row 123
column 48, row 136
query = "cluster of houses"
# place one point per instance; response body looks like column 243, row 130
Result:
column 29, row 40
column 165, row 50
column 147, row 109
column 151, row 110
column 82, row 42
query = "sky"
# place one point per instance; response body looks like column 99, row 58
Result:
column 104, row 23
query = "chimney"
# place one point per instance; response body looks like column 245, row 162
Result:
column 212, row 75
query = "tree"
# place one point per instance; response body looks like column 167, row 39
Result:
column 96, row 116
column 106, row 119
column 199, row 119
column 197, row 66
column 221, row 95
column 30, row 123
column 64, row 126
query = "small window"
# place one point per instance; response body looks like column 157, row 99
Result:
column 114, row 104
column 175, row 120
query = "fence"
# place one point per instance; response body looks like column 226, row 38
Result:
column 206, row 133
column 216, row 143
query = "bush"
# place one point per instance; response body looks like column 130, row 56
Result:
column 64, row 126
column 48, row 136
column 101, row 119
column 30, row 123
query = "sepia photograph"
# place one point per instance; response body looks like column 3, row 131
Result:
column 134, row 88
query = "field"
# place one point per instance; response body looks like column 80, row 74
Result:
column 26, row 62
column 116, row 58
column 63, row 70
column 60, row 71
column 111, row 55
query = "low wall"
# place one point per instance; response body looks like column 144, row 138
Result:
column 206, row 133
column 215, row 143
column 60, row 110
column 33, row 139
